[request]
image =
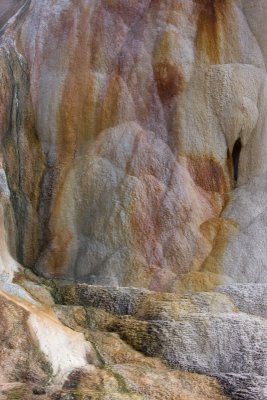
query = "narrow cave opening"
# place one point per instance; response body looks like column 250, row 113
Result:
column 235, row 157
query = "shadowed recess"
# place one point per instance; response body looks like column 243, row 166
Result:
column 236, row 156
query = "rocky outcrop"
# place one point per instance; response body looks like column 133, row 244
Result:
column 40, row 358
column 201, row 332
column 141, row 124
column 133, row 162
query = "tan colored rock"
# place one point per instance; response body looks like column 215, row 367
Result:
column 149, row 376
column 38, row 292
column 174, row 310
column 170, row 385
column 43, row 336
column 21, row 359
column 200, row 281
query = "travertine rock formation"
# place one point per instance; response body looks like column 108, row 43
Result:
column 133, row 160
column 121, row 132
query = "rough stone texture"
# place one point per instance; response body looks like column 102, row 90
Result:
column 138, row 373
column 38, row 292
column 133, row 123
column 244, row 258
column 133, row 157
column 135, row 301
column 116, row 300
column 244, row 387
column 249, row 298
column 203, row 332
column 204, row 343
column 46, row 354
column 20, row 358
column 61, row 348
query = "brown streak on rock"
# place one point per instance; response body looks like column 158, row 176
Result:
column 208, row 174
column 218, row 232
column 170, row 81
column 212, row 14
column 56, row 254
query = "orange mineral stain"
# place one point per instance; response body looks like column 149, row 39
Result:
column 212, row 18
column 208, row 174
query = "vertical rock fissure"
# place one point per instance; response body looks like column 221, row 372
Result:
column 235, row 157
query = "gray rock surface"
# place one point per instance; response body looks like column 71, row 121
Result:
column 249, row 298
column 206, row 343
column 244, row 256
column 244, row 386
column 221, row 334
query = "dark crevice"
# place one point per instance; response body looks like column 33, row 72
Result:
column 235, row 157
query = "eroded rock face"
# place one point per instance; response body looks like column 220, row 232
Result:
column 133, row 153
column 210, row 333
column 20, row 359
column 121, row 145
column 201, row 332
